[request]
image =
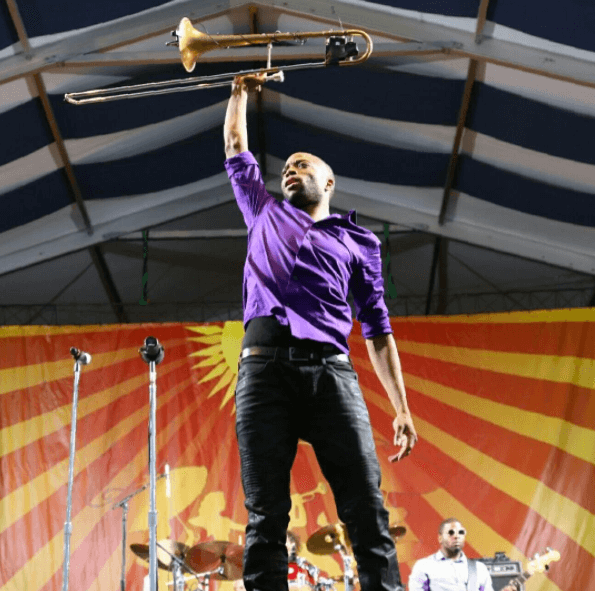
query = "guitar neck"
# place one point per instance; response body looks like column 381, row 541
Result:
column 522, row 578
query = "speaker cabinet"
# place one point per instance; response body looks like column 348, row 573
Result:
column 502, row 569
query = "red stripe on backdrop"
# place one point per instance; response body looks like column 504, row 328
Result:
column 561, row 471
column 521, row 523
column 101, row 543
column 27, row 403
column 179, row 436
column 23, row 350
column 52, row 510
column 555, row 338
column 24, row 464
column 523, row 527
column 559, row 400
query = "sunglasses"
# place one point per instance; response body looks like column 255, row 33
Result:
column 452, row 532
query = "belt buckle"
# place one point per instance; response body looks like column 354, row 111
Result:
column 295, row 356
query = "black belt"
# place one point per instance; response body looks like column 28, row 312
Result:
column 294, row 354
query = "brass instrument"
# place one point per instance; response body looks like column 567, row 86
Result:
column 341, row 50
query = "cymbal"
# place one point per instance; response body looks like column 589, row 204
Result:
column 209, row 556
column 397, row 532
column 324, row 540
column 164, row 560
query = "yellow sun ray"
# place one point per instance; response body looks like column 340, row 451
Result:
column 213, row 360
column 221, row 353
column 207, row 340
column 206, row 329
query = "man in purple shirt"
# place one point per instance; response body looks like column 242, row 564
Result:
column 295, row 379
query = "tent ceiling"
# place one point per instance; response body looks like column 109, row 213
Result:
column 471, row 123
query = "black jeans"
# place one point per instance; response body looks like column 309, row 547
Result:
column 278, row 402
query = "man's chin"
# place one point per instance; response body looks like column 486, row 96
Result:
column 300, row 200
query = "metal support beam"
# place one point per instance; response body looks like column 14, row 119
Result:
column 157, row 235
column 157, row 21
column 443, row 277
column 260, row 129
column 482, row 15
column 433, row 267
column 247, row 54
column 18, row 253
column 49, row 114
column 519, row 305
column 42, row 309
column 454, row 156
column 386, row 21
column 108, row 283
column 64, row 158
column 379, row 19
column 461, row 123
column 94, row 251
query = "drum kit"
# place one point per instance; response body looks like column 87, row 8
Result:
column 196, row 566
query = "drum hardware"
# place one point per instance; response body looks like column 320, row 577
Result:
column 331, row 539
column 168, row 553
column 123, row 504
column 223, row 561
column 397, row 532
column 325, row 540
column 301, row 573
column 171, row 557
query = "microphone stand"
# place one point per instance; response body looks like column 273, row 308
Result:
column 152, row 353
column 123, row 504
column 80, row 358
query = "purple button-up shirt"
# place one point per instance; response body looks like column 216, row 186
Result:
column 300, row 271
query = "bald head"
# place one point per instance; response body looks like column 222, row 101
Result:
column 307, row 179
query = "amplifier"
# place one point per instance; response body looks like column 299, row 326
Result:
column 502, row 569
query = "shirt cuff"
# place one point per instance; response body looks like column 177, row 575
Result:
column 374, row 328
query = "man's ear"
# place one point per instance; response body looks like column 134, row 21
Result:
column 329, row 184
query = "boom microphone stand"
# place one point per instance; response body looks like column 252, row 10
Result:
column 80, row 358
column 152, row 353
column 123, row 504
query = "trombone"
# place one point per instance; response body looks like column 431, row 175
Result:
column 341, row 50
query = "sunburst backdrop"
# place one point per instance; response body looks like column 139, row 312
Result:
column 504, row 406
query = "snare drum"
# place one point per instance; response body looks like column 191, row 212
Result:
column 302, row 574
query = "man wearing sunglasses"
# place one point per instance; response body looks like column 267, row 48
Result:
column 449, row 569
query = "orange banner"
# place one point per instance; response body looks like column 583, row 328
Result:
column 504, row 405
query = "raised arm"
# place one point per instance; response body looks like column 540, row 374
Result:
column 384, row 356
column 235, row 130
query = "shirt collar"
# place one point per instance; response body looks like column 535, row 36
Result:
column 440, row 556
column 349, row 217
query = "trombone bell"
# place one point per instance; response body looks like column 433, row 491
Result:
column 339, row 51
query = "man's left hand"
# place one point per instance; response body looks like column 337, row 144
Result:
column 405, row 436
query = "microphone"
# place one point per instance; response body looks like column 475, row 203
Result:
column 167, row 482
column 152, row 350
column 80, row 356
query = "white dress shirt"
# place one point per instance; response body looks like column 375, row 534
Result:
column 439, row 573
